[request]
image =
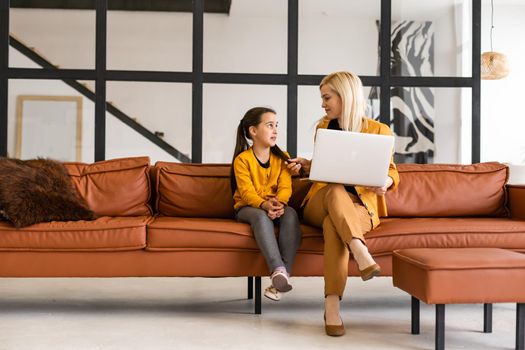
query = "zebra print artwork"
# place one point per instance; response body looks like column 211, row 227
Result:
column 412, row 114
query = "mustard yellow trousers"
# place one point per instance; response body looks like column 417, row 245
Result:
column 342, row 216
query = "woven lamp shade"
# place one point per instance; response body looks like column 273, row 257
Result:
column 494, row 65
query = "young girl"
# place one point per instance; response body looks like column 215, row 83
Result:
column 262, row 186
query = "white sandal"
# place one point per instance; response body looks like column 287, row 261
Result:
column 272, row 293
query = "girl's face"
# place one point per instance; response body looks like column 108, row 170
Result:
column 332, row 103
column 265, row 133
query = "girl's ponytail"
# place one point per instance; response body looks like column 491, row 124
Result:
column 241, row 145
column 279, row 153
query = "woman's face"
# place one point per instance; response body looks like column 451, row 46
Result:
column 331, row 102
column 265, row 133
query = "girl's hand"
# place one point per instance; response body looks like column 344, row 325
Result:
column 299, row 166
column 272, row 204
column 274, row 214
column 380, row 191
column 273, row 207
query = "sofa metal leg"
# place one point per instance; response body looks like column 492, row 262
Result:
column 258, row 295
column 250, row 287
column 487, row 318
column 520, row 325
column 440, row 326
column 415, row 315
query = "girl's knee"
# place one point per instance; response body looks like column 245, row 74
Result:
column 290, row 215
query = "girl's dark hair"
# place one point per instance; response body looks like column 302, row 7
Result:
column 251, row 118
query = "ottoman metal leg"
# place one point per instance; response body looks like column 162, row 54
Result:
column 440, row 326
column 520, row 324
column 415, row 315
column 487, row 318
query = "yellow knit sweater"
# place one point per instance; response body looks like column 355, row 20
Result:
column 256, row 184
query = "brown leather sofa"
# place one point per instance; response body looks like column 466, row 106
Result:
column 174, row 219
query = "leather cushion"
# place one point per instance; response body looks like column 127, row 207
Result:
column 203, row 190
column 117, row 187
column 194, row 190
column 398, row 233
column 446, row 190
column 105, row 233
column 467, row 275
column 170, row 233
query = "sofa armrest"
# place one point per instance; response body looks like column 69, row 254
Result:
column 516, row 201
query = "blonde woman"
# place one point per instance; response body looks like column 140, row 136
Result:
column 345, row 213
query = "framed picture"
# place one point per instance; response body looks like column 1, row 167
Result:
column 49, row 126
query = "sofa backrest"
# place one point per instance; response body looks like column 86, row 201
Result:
column 117, row 187
column 194, row 190
column 202, row 190
column 449, row 190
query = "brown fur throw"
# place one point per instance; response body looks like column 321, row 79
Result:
column 39, row 190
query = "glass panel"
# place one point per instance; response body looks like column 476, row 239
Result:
column 160, row 108
column 309, row 113
column 225, row 105
column 432, row 38
column 252, row 38
column 149, row 40
column 47, row 118
column 66, row 38
column 338, row 35
column 432, row 125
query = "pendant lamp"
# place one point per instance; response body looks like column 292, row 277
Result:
column 494, row 65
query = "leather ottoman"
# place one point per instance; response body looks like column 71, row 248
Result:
column 461, row 276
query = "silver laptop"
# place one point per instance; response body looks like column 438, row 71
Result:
column 351, row 158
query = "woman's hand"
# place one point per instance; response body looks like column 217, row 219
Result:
column 299, row 166
column 273, row 207
column 380, row 191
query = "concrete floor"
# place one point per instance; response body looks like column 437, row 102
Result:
column 212, row 313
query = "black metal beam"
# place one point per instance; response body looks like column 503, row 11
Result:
column 196, row 121
column 152, row 76
column 212, row 6
column 4, row 68
column 476, row 81
column 100, row 82
column 439, row 82
column 384, row 61
column 51, row 73
column 305, row 79
column 245, row 78
column 293, row 52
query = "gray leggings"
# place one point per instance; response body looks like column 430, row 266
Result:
column 275, row 254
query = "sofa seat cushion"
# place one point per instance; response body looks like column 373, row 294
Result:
column 175, row 233
column 399, row 233
column 103, row 234
column 172, row 233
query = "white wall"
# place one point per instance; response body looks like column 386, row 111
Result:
column 337, row 35
column 502, row 112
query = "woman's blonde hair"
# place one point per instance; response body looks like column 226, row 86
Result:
column 350, row 89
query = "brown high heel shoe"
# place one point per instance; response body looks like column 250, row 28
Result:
column 334, row 330
column 371, row 271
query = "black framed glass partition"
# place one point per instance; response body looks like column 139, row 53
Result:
column 180, row 79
